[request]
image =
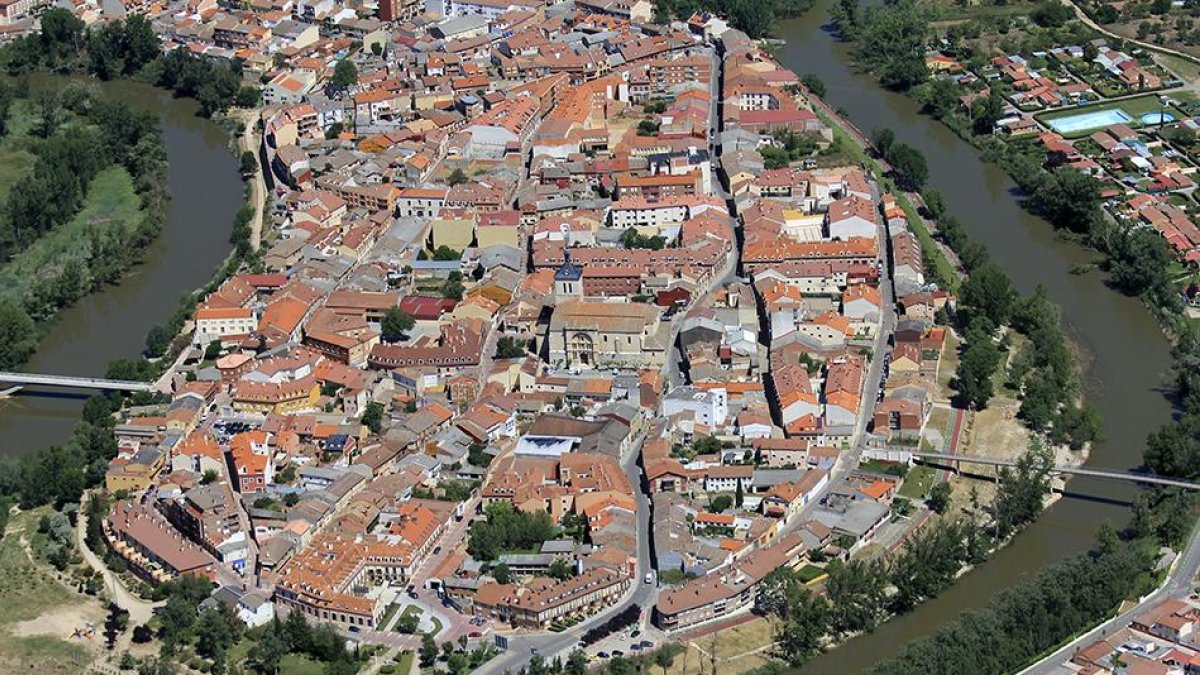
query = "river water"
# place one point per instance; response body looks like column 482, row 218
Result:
column 205, row 193
column 1129, row 359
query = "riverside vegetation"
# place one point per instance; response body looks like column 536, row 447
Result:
column 84, row 148
column 1018, row 625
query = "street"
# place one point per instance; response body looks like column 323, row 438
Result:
column 1178, row 585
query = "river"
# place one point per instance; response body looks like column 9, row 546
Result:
column 205, row 193
column 1128, row 357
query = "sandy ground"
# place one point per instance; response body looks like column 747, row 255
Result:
column 61, row 622
column 738, row 649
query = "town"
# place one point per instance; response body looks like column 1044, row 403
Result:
column 565, row 329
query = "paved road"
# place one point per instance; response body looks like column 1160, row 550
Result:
column 1177, row 586
column 641, row 594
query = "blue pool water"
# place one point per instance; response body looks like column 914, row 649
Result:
column 1157, row 118
column 1089, row 120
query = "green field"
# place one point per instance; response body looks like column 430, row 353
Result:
column 26, row 592
column 295, row 664
column 110, row 213
column 918, row 482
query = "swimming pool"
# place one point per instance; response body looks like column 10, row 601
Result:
column 1157, row 118
column 1089, row 120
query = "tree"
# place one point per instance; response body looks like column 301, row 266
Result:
column 814, row 84
column 212, row 351
column 986, row 111
column 560, row 569
column 457, row 177
column 739, row 496
column 373, row 417
column 445, row 253
column 502, row 574
column 939, row 497
column 509, row 347
column 268, row 652
column 577, row 662
column 429, row 651
column 453, row 290
column 721, row 503
column 1139, row 261
column 1051, row 14
column 395, row 324
column 805, row 624
column 909, row 165
column 647, row 128
column 216, row 631
column 345, row 74
column 1069, row 199
column 210, row 476
column 883, row 139
column 248, row 163
column 973, row 378
column 989, row 293
column 891, row 40
column 158, row 340
column 855, row 591
column 1021, row 490
column 408, row 623
column 18, row 336
column 663, row 659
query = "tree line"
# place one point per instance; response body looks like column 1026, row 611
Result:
column 1023, row 622
column 508, row 529
column 755, row 19
column 1043, row 373
column 860, row 594
column 128, row 48
column 69, row 159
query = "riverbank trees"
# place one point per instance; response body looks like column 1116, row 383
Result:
column 753, row 17
column 128, row 48
column 1030, row 619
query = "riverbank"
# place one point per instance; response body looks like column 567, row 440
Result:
column 193, row 245
column 1107, row 325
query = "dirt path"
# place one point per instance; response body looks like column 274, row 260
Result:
column 1090, row 23
column 258, row 188
column 139, row 610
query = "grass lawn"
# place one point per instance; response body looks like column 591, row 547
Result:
column 43, row 654
column 437, row 626
column 918, row 482
column 1134, row 107
column 26, row 589
column 404, row 662
column 111, row 210
column 1184, row 68
column 741, row 648
column 878, row 466
column 294, row 664
column 387, row 616
column 26, row 593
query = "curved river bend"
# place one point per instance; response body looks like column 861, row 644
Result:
column 205, row 193
column 1129, row 357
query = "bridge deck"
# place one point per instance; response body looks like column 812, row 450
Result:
column 73, row 382
column 1073, row 470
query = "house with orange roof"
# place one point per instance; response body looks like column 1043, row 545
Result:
column 862, row 303
column 843, row 391
column 283, row 319
column 793, row 388
column 199, row 453
column 285, row 397
column 222, row 324
column 251, row 461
